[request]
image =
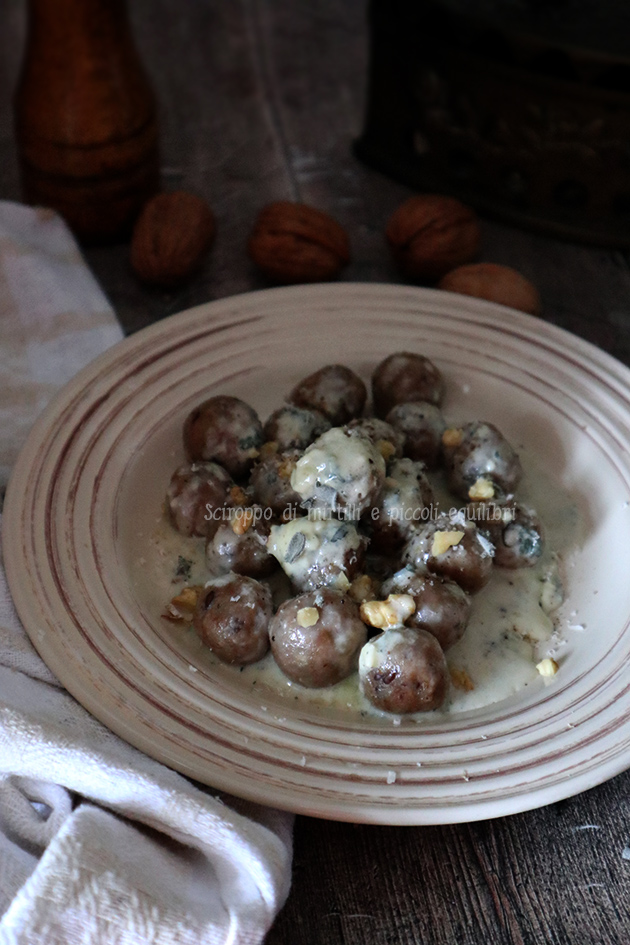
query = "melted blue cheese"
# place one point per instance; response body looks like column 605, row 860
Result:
column 297, row 426
column 404, row 495
column 316, row 553
column 339, row 472
column 375, row 651
column 510, row 619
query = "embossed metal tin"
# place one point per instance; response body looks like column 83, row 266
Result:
column 527, row 128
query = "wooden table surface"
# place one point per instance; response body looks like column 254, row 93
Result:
column 261, row 100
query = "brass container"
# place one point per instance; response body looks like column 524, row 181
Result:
column 522, row 126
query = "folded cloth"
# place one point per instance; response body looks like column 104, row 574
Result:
column 99, row 843
column 54, row 318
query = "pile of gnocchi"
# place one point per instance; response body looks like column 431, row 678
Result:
column 377, row 576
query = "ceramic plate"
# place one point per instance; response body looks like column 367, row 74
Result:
column 87, row 492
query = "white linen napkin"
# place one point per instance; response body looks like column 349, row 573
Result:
column 98, row 843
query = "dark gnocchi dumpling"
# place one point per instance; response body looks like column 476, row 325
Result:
column 454, row 548
column 195, row 493
column 405, row 377
column 388, row 441
column 270, row 480
column 403, row 670
column 335, row 391
column 442, row 606
column 224, row 430
column 295, row 428
column 232, row 618
column 480, row 463
column 421, row 426
column 405, row 502
column 514, row 530
column 316, row 637
column 240, row 545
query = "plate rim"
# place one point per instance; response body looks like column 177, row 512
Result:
column 185, row 320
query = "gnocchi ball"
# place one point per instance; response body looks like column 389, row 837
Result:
column 421, row 425
column 224, row 430
column 318, row 553
column 294, row 428
column 270, row 480
column 404, row 503
column 316, row 637
column 480, row 462
column 335, row 391
column 232, row 618
column 403, row 670
column 339, row 472
column 405, row 377
column 515, row 531
column 382, row 435
column 240, row 545
column 442, row 606
column 195, row 491
column 452, row 547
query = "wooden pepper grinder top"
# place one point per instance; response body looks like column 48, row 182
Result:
column 85, row 117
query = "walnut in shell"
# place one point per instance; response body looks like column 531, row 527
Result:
column 292, row 242
column 495, row 283
column 430, row 234
column 171, row 238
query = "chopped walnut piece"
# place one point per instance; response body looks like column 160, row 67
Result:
column 480, row 490
column 307, row 616
column 238, row 496
column 268, row 449
column 547, row 667
column 241, row 523
column 363, row 588
column 341, row 582
column 442, row 541
column 461, row 680
column 386, row 448
column 182, row 607
column 452, row 436
column 386, row 614
column 286, row 467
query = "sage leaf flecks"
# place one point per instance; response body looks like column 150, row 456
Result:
column 296, row 547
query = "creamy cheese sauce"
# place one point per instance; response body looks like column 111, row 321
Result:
column 403, row 497
column 292, row 427
column 315, row 552
column 339, row 470
column 510, row 628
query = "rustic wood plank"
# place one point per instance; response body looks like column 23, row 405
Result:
column 556, row 875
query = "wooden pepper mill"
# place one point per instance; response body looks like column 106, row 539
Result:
column 85, row 117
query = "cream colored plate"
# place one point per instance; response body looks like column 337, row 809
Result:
column 89, row 485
